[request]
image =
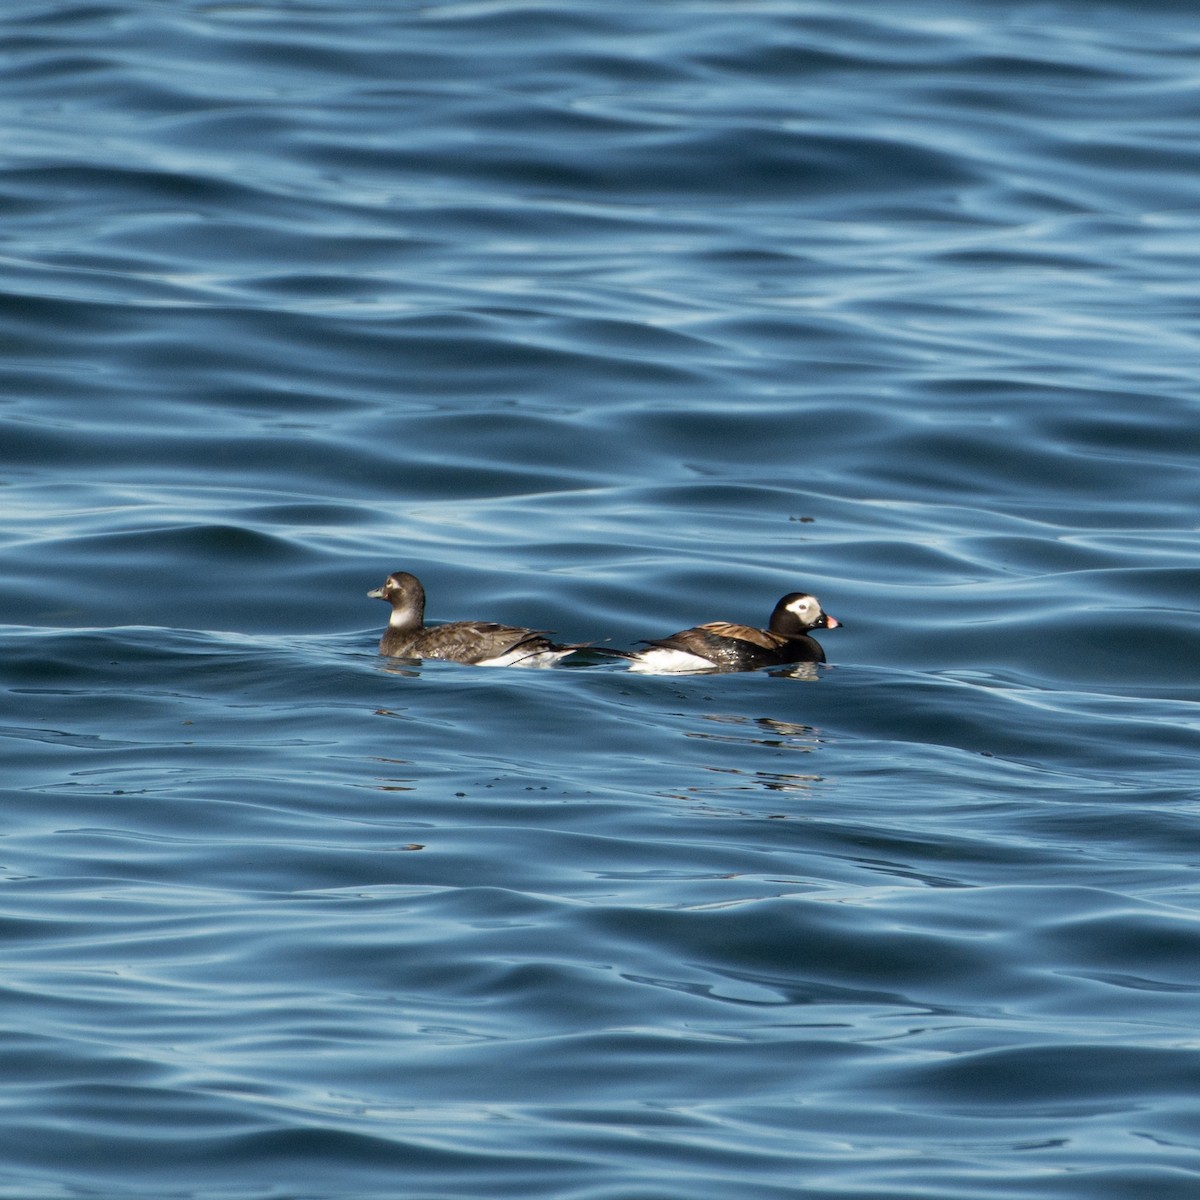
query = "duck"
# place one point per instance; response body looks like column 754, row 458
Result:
column 481, row 643
column 724, row 646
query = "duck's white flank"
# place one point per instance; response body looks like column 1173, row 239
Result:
column 659, row 660
column 525, row 658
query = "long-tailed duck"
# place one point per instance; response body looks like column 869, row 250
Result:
column 721, row 646
column 483, row 643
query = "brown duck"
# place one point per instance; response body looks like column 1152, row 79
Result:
column 484, row 643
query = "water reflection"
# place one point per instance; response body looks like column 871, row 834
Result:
column 800, row 670
column 790, row 735
column 766, row 732
column 772, row 781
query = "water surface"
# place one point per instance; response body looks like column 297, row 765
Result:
column 606, row 320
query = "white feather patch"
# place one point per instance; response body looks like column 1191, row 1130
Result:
column 525, row 658
column 806, row 608
column 662, row 661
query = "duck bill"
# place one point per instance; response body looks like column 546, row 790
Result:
column 828, row 622
column 376, row 594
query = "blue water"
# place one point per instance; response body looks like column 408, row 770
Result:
column 605, row 319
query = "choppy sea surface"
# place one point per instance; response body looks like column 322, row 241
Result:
column 607, row 319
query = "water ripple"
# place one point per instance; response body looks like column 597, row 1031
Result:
column 607, row 322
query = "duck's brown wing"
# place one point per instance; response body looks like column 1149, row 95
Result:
column 477, row 641
column 761, row 647
column 725, row 645
column 743, row 633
